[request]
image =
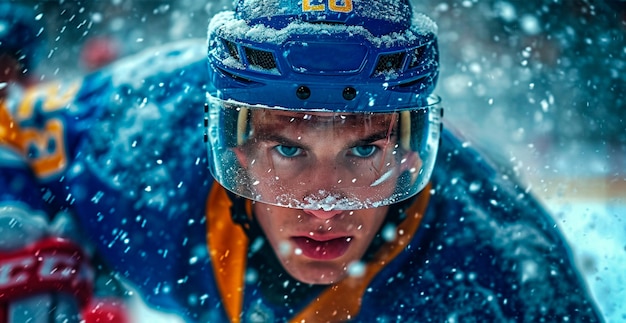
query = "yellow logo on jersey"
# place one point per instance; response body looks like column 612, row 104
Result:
column 54, row 97
column 44, row 145
column 47, row 147
column 333, row 5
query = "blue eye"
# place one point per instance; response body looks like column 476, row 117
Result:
column 364, row 151
column 288, row 151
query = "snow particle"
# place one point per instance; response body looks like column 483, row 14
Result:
column 389, row 232
column 530, row 25
column 356, row 269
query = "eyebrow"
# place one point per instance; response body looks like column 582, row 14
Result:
column 383, row 134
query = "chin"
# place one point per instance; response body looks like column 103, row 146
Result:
column 317, row 273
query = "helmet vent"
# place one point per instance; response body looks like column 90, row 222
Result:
column 261, row 59
column 232, row 49
column 416, row 57
column 412, row 83
column 389, row 63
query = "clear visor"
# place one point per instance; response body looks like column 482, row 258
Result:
column 320, row 159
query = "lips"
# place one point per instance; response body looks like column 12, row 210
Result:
column 322, row 250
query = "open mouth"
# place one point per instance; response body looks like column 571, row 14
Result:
column 322, row 250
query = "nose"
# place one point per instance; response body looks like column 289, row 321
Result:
column 321, row 214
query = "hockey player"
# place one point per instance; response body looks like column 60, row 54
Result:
column 314, row 196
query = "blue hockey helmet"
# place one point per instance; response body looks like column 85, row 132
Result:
column 21, row 34
column 355, row 74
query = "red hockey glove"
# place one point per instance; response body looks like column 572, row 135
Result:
column 50, row 277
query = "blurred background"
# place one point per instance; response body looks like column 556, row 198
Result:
column 538, row 84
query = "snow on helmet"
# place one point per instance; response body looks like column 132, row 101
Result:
column 21, row 34
column 322, row 104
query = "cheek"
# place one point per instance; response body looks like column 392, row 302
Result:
column 365, row 223
column 263, row 215
column 274, row 224
column 375, row 220
column 272, row 220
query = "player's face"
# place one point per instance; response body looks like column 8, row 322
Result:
column 321, row 159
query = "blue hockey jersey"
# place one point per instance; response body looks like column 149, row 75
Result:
column 122, row 151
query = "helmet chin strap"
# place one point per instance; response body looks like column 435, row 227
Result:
column 241, row 216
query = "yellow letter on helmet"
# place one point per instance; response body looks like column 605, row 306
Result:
column 336, row 7
column 306, row 6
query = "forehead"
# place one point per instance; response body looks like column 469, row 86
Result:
column 280, row 118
